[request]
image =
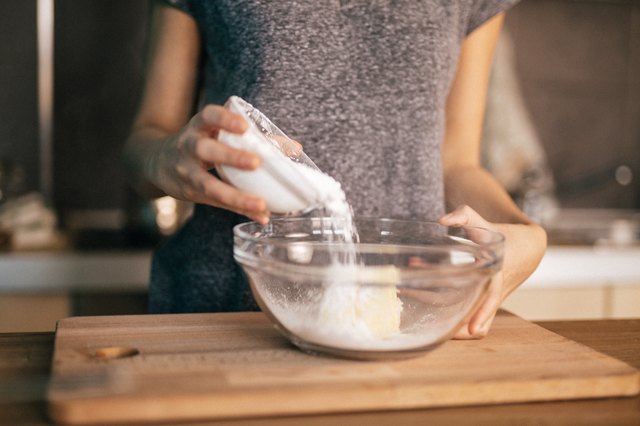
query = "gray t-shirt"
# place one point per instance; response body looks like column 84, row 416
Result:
column 362, row 84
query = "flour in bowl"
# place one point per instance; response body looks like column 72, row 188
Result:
column 358, row 304
column 352, row 308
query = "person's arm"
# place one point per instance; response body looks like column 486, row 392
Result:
column 169, row 152
column 472, row 194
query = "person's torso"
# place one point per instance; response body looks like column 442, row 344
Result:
column 362, row 84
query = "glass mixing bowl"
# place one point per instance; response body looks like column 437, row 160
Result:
column 403, row 289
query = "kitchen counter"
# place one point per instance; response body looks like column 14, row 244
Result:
column 25, row 361
column 38, row 288
column 586, row 266
column 58, row 272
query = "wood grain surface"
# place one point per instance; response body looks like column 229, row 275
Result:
column 224, row 366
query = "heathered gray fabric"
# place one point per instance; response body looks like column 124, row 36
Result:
column 362, row 84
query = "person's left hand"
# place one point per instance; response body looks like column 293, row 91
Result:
column 523, row 250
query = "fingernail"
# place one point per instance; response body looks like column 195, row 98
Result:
column 483, row 329
column 261, row 218
column 297, row 148
column 238, row 125
column 249, row 161
column 264, row 219
column 473, row 329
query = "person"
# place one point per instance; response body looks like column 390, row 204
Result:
column 386, row 96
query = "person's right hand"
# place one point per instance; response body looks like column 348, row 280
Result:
column 180, row 165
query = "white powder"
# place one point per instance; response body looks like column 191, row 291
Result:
column 359, row 308
column 353, row 310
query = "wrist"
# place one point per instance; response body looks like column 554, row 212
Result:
column 525, row 245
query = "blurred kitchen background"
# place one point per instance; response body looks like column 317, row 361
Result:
column 562, row 134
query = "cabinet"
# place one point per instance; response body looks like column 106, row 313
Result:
column 37, row 289
column 581, row 283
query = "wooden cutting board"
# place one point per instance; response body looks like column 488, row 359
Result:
column 209, row 366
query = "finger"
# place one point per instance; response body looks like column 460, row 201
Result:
column 290, row 147
column 478, row 325
column 211, row 152
column 464, row 216
column 232, row 198
column 467, row 218
column 418, row 263
column 463, row 332
column 481, row 321
column 202, row 187
column 261, row 218
column 215, row 117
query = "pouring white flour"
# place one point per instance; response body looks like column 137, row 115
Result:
column 291, row 182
